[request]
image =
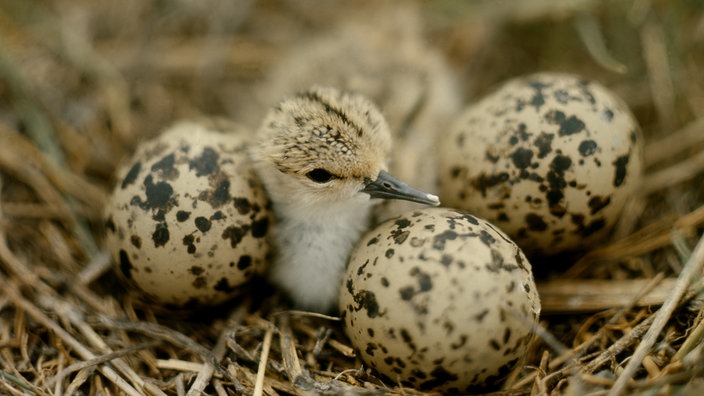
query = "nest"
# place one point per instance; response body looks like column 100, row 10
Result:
column 84, row 81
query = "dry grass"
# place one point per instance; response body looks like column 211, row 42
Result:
column 81, row 82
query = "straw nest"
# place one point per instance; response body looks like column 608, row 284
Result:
column 82, row 82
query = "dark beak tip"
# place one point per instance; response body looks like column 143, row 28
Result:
column 388, row 187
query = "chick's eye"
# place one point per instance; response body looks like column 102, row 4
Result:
column 319, row 175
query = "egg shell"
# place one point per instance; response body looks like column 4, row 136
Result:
column 188, row 221
column 439, row 300
column 550, row 158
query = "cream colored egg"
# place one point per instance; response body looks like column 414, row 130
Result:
column 188, row 220
column 439, row 300
column 550, row 158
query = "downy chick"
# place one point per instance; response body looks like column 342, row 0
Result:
column 321, row 155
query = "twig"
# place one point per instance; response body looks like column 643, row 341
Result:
column 678, row 173
column 261, row 370
column 588, row 29
column 97, row 266
column 585, row 295
column 672, row 144
column 16, row 381
column 337, row 345
column 693, row 340
column 307, row 313
column 288, row 349
column 96, row 361
column 691, row 268
column 206, row 372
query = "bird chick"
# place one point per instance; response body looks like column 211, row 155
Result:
column 321, row 155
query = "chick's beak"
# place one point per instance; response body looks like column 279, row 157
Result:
column 389, row 187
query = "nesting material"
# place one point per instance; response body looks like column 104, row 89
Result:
column 83, row 82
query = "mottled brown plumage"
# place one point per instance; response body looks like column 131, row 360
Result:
column 322, row 156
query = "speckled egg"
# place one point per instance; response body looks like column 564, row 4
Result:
column 188, row 220
column 439, row 300
column 549, row 158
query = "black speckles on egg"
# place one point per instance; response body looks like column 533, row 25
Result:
column 439, row 376
column 560, row 164
column 218, row 215
column 522, row 157
column 460, row 342
column 131, row 175
column 182, row 216
column 406, row 293
column 490, row 157
column 367, row 300
column 244, row 262
column 484, row 182
column 160, row 236
column 165, row 167
column 223, row 286
column 202, row 224
column 360, row 270
column 199, row 282
column 242, row 205
column 521, row 134
column 535, row 222
column 136, row 241
column 189, row 242
column 407, row 339
column 471, row 219
column 585, row 229
column 557, row 183
column 402, row 223
column 371, row 348
column 571, row 125
column 196, row 270
column 544, row 144
column 424, row 284
column 597, row 203
column 486, row 238
column 206, row 163
column 440, row 239
column 587, row 147
column 399, row 236
column 620, row 169
column 220, row 194
column 159, row 215
column 260, row 227
column 496, row 205
column 537, row 99
column 235, row 234
column 159, row 194
column 446, row 260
